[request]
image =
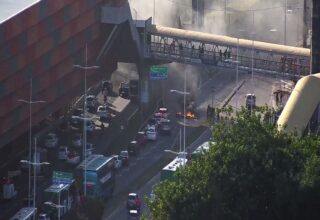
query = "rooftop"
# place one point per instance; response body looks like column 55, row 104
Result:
column 9, row 8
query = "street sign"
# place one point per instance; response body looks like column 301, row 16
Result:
column 62, row 177
column 158, row 72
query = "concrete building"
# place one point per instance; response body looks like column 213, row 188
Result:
column 42, row 40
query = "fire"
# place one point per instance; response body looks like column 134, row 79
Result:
column 190, row 115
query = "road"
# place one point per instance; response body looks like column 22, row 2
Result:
column 215, row 86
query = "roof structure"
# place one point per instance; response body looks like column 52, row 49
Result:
column 9, row 8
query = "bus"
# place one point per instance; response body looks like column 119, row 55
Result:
column 100, row 175
column 167, row 173
column 26, row 213
column 59, row 198
column 201, row 149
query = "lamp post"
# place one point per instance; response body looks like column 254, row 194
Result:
column 285, row 23
column 184, row 93
column 85, row 68
column 154, row 11
column 30, row 103
column 34, row 164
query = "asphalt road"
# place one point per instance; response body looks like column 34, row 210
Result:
column 214, row 87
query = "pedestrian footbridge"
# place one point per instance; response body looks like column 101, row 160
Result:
column 191, row 47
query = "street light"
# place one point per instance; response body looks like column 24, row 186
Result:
column 184, row 93
column 55, row 206
column 30, row 102
column 85, row 68
column 34, row 164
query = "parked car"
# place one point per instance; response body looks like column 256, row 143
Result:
column 90, row 126
column 77, row 140
column 133, row 201
column 141, row 138
column 91, row 101
column 51, row 140
column 124, row 91
column 151, row 133
column 165, row 127
column 133, row 148
column 78, row 112
column 117, row 161
column 124, row 155
column 43, row 216
column 104, row 114
column 63, row 153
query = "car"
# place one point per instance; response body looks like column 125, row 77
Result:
column 90, row 126
column 133, row 201
column 91, row 101
column 117, row 162
column 78, row 112
column 77, row 140
column 124, row 155
column 51, row 140
column 152, row 122
column 163, row 112
column 141, row 138
column 250, row 101
column 151, row 133
column 133, row 148
column 103, row 113
column 165, row 127
column 63, row 153
column 133, row 214
column 73, row 158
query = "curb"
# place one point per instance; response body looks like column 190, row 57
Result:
column 229, row 97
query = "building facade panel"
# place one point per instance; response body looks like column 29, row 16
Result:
column 48, row 60
column 39, row 45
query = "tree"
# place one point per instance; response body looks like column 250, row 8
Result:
column 252, row 172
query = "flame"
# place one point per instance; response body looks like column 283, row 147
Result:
column 190, row 115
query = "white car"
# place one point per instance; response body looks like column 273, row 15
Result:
column 102, row 111
column 63, row 153
column 51, row 140
column 77, row 140
column 91, row 101
column 151, row 133
column 117, row 162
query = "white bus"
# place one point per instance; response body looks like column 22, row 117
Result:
column 26, row 213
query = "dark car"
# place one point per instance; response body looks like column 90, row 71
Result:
column 124, row 155
column 124, row 91
column 165, row 127
column 133, row 214
column 133, row 148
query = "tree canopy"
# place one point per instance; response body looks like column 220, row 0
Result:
column 252, row 172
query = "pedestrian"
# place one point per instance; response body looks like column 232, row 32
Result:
column 105, row 99
column 102, row 126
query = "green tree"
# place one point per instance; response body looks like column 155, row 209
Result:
column 252, row 172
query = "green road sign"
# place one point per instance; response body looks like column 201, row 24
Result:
column 158, row 72
column 62, row 177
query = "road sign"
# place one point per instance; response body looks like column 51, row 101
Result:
column 62, row 177
column 158, row 72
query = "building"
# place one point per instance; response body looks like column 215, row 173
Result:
column 41, row 41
